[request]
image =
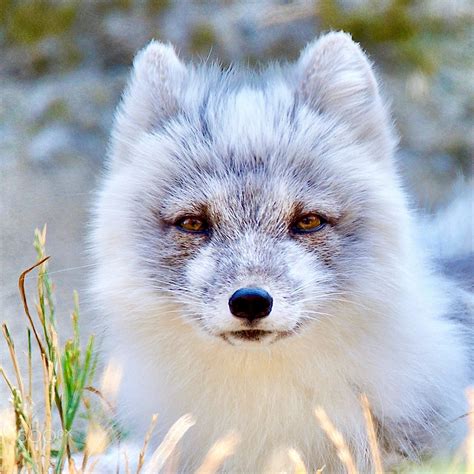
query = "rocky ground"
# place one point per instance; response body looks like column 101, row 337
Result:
column 60, row 82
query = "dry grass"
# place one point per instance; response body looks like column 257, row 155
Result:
column 67, row 370
column 30, row 442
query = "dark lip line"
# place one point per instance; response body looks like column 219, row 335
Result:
column 255, row 336
column 251, row 332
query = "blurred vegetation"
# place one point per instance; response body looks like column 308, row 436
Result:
column 404, row 32
column 30, row 21
column 29, row 24
column 157, row 6
column 408, row 34
column 203, row 38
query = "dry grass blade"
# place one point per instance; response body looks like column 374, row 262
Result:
column 71, row 466
column 374, row 446
column 172, row 438
column 7, row 441
column 14, row 359
column 337, row 439
column 126, row 462
column 105, row 402
column 219, row 452
column 96, row 443
column 141, row 457
column 297, row 461
column 48, row 387
column 110, row 383
column 21, row 287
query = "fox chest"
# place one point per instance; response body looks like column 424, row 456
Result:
column 268, row 414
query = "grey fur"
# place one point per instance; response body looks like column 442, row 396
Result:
column 357, row 308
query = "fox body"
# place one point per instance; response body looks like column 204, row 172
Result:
column 281, row 183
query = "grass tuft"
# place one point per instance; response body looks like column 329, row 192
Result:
column 46, row 443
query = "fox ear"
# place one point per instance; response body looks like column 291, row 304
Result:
column 335, row 77
column 151, row 95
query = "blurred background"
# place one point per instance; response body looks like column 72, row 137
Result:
column 64, row 64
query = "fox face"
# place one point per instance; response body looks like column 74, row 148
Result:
column 248, row 257
column 251, row 204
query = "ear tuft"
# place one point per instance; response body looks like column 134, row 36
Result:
column 151, row 97
column 336, row 74
column 336, row 77
column 158, row 67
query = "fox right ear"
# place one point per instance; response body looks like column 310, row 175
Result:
column 151, row 95
column 336, row 77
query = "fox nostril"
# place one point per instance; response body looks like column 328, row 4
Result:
column 250, row 303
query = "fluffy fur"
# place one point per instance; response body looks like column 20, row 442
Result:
column 357, row 305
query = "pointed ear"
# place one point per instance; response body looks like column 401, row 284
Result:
column 335, row 77
column 150, row 97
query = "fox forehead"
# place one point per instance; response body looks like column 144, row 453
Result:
column 253, row 123
column 250, row 116
column 271, row 124
column 247, row 143
column 254, row 193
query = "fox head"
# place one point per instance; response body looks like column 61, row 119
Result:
column 249, row 207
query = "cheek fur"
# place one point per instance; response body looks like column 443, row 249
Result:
column 200, row 270
column 311, row 280
column 179, row 246
column 165, row 251
column 324, row 245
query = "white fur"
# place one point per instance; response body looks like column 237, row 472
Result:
column 390, row 339
column 450, row 233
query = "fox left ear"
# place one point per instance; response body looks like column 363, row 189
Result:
column 335, row 77
column 151, row 96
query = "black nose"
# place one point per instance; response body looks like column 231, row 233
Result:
column 250, row 303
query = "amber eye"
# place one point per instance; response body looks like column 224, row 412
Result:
column 309, row 223
column 193, row 224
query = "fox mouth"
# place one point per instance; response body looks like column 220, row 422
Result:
column 253, row 335
column 250, row 334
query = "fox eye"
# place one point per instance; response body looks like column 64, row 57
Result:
column 193, row 224
column 309, row 223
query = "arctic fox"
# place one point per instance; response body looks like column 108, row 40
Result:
column 256, row 258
